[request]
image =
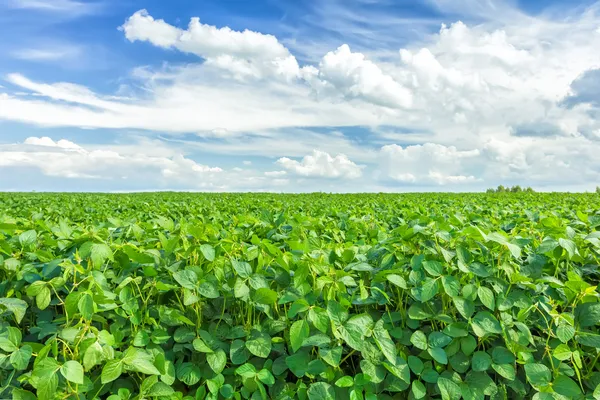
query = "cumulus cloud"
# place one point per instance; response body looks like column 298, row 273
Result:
column 509, row 96
column 321, row 164
column 354, row 76
column 428, row 163
column 245, row 53
column 66, row 159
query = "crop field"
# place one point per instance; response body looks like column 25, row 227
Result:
column 314, row 296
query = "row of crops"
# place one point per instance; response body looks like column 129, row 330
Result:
column 315, row 296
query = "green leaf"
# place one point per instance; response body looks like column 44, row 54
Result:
column 397, row 280
column 433, row 268
column 439, row 339
column 187, row 279
column 217, row 360
column 321, row 391
column 562, row 352
column 487, row 297
column 466, row 308
column 238, row 354
column 208, row 252
column 21, row 394
column 259, row 344
column 438, row 354
column 42, row 300
column 567, row 387
column 449, row 389
column 587, row 314
column 418, row 390
column 160, row 389
column 484, row 323
column 99, row 253
column 319, row 318
column 112, row 370
column 506, row 371
column 266, row 377
column 10, row 339
column 481, row 361
column 20, row 359
column 569, row 246
column 565, row 333
column 188, row 373
column 298, row 363
column 336, row 312
column 208, row 290
column 451, row 285
column 16, row 306
column 589, row 339
column 242, row 268
column 384, row 341
column 246, row 371
column 72, row 371
column 265, row 296
column 419, row 340
column 538, row 374
column 200, row 346
column 429, row 289
column 28, row 238
column 298, row 333
column 85, row 306
column 345, row 381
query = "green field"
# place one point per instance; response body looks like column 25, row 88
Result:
column 314, row 296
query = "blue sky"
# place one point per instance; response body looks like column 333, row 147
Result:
column 296, row 96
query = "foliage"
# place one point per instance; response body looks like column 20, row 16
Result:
column 513, row 189
column 309, row 296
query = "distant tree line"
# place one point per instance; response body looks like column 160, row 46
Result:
column 513, row 189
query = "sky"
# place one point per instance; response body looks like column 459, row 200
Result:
column 299, row 96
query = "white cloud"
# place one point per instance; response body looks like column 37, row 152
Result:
column 57, row 6
column 474, row 96
column 428, row 163
column 48, row 53
column 352, row 75
column 321, row 164
column 66, row 159
column 275, row 173
column 244, row 53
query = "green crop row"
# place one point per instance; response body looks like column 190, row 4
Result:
column 263, row 296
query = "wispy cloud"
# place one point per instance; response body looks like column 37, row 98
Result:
column 45, row 54
column 72, row 7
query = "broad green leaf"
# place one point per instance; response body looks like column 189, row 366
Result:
column 187, row 279
column 484, row 323
column 217, row 360
column 419, row 340
column 298, row 333
column 321, row 391
column 438, row 354
column 72, row 371
column 15, row 306
column 449, row 389
column 259, row 344
column 208, row 252
column 566, row 386
column 384, row 341
column 19, row 359
column 160, row 389
column 111, row 371
column 487, row 297
column 538, row 374
column 265, row 296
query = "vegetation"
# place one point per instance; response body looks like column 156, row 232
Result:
column 192, row 296
column 513, row 189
